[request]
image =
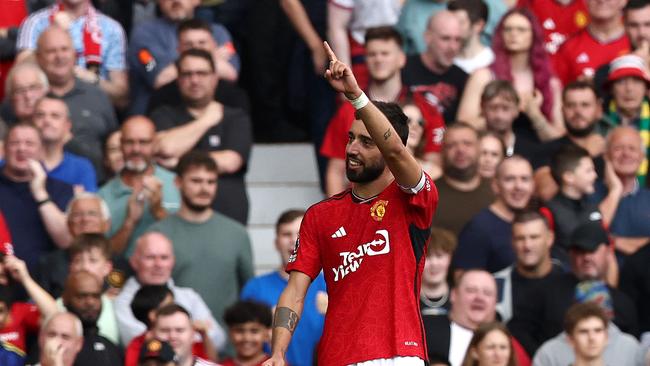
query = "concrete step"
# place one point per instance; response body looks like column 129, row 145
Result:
column 280, row 177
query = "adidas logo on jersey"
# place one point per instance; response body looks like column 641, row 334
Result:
column 339, row 233
column 549, row 24
column 582, row 58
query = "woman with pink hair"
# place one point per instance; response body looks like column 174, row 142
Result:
column 520, row 57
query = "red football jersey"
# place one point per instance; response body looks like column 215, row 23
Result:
column 558, row 21
column 5, row 235
column 24, row 318
column 336, row 135
column 372, row 254
column 582, row 55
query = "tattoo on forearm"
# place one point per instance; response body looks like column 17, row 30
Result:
column 387, row 134
column 286, row 318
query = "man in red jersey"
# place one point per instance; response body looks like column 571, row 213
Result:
column 369, row 240
column 600, row 42
column 560, row 19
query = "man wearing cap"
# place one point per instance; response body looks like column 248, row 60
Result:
column 156, row 353
column 635, row 21
column 589, row 252
column 628, row 81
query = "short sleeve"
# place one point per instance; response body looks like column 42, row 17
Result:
column 422, row 200
column 147, row 54
column 345, row 4
column 115, row 58
column 88, row 176
column 224, row 39
column 306, row 253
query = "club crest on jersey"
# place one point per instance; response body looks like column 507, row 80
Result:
column 378, row 210
column 581, row 19
column 351, row 261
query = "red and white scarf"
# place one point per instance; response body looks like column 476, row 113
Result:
column 92, row 35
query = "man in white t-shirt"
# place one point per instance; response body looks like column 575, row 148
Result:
column 473, row 15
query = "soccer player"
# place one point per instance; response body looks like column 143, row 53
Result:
column 370, row 242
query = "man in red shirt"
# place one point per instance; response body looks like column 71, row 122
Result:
column 560, row 19
column 369, row 240
column 600, row 42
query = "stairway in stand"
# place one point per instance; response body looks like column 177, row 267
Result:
column 280, row 177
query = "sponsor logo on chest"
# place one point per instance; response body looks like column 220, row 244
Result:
column 351, row 260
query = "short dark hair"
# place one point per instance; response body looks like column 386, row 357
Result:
column 146, row 299
column 460, row 125
column 395, row 116
column 384, row 33
column 526, row 216
column 85, row 242
column 476, row 9
column 171, row 309
column 497, row 88
column 248, row 311
column 566, row 159
column 24, row 124
column 579, row 85
column 195, row 159
column 289, row 216
column 581, row 311
column 635, row 5
column 195, row 52
column 193, row 24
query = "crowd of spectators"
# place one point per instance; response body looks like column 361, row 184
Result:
column 125, row 135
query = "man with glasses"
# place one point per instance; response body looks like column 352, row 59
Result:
column 143, row 192
column 198, row 122
column 26, row 83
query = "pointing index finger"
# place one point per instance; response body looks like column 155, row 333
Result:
column 330, row 53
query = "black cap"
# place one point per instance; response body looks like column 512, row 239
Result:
column 589, row 236
column 154, row 349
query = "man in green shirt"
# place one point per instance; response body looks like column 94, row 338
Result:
column 213, row 252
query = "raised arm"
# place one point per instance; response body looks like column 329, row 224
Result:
column 18, row 270
column 402, row 164
column 287, row 315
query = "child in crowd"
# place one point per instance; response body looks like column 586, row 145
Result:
column 92, row 253
column 249, row 327
column 146, row 302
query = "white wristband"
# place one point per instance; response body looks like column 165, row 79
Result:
column 360, row 101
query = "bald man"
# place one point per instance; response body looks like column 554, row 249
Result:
column 91, row 113
column 83, row 297
column 626, row 152
column 143, row 192
column 433, row 73
column 152, row 261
